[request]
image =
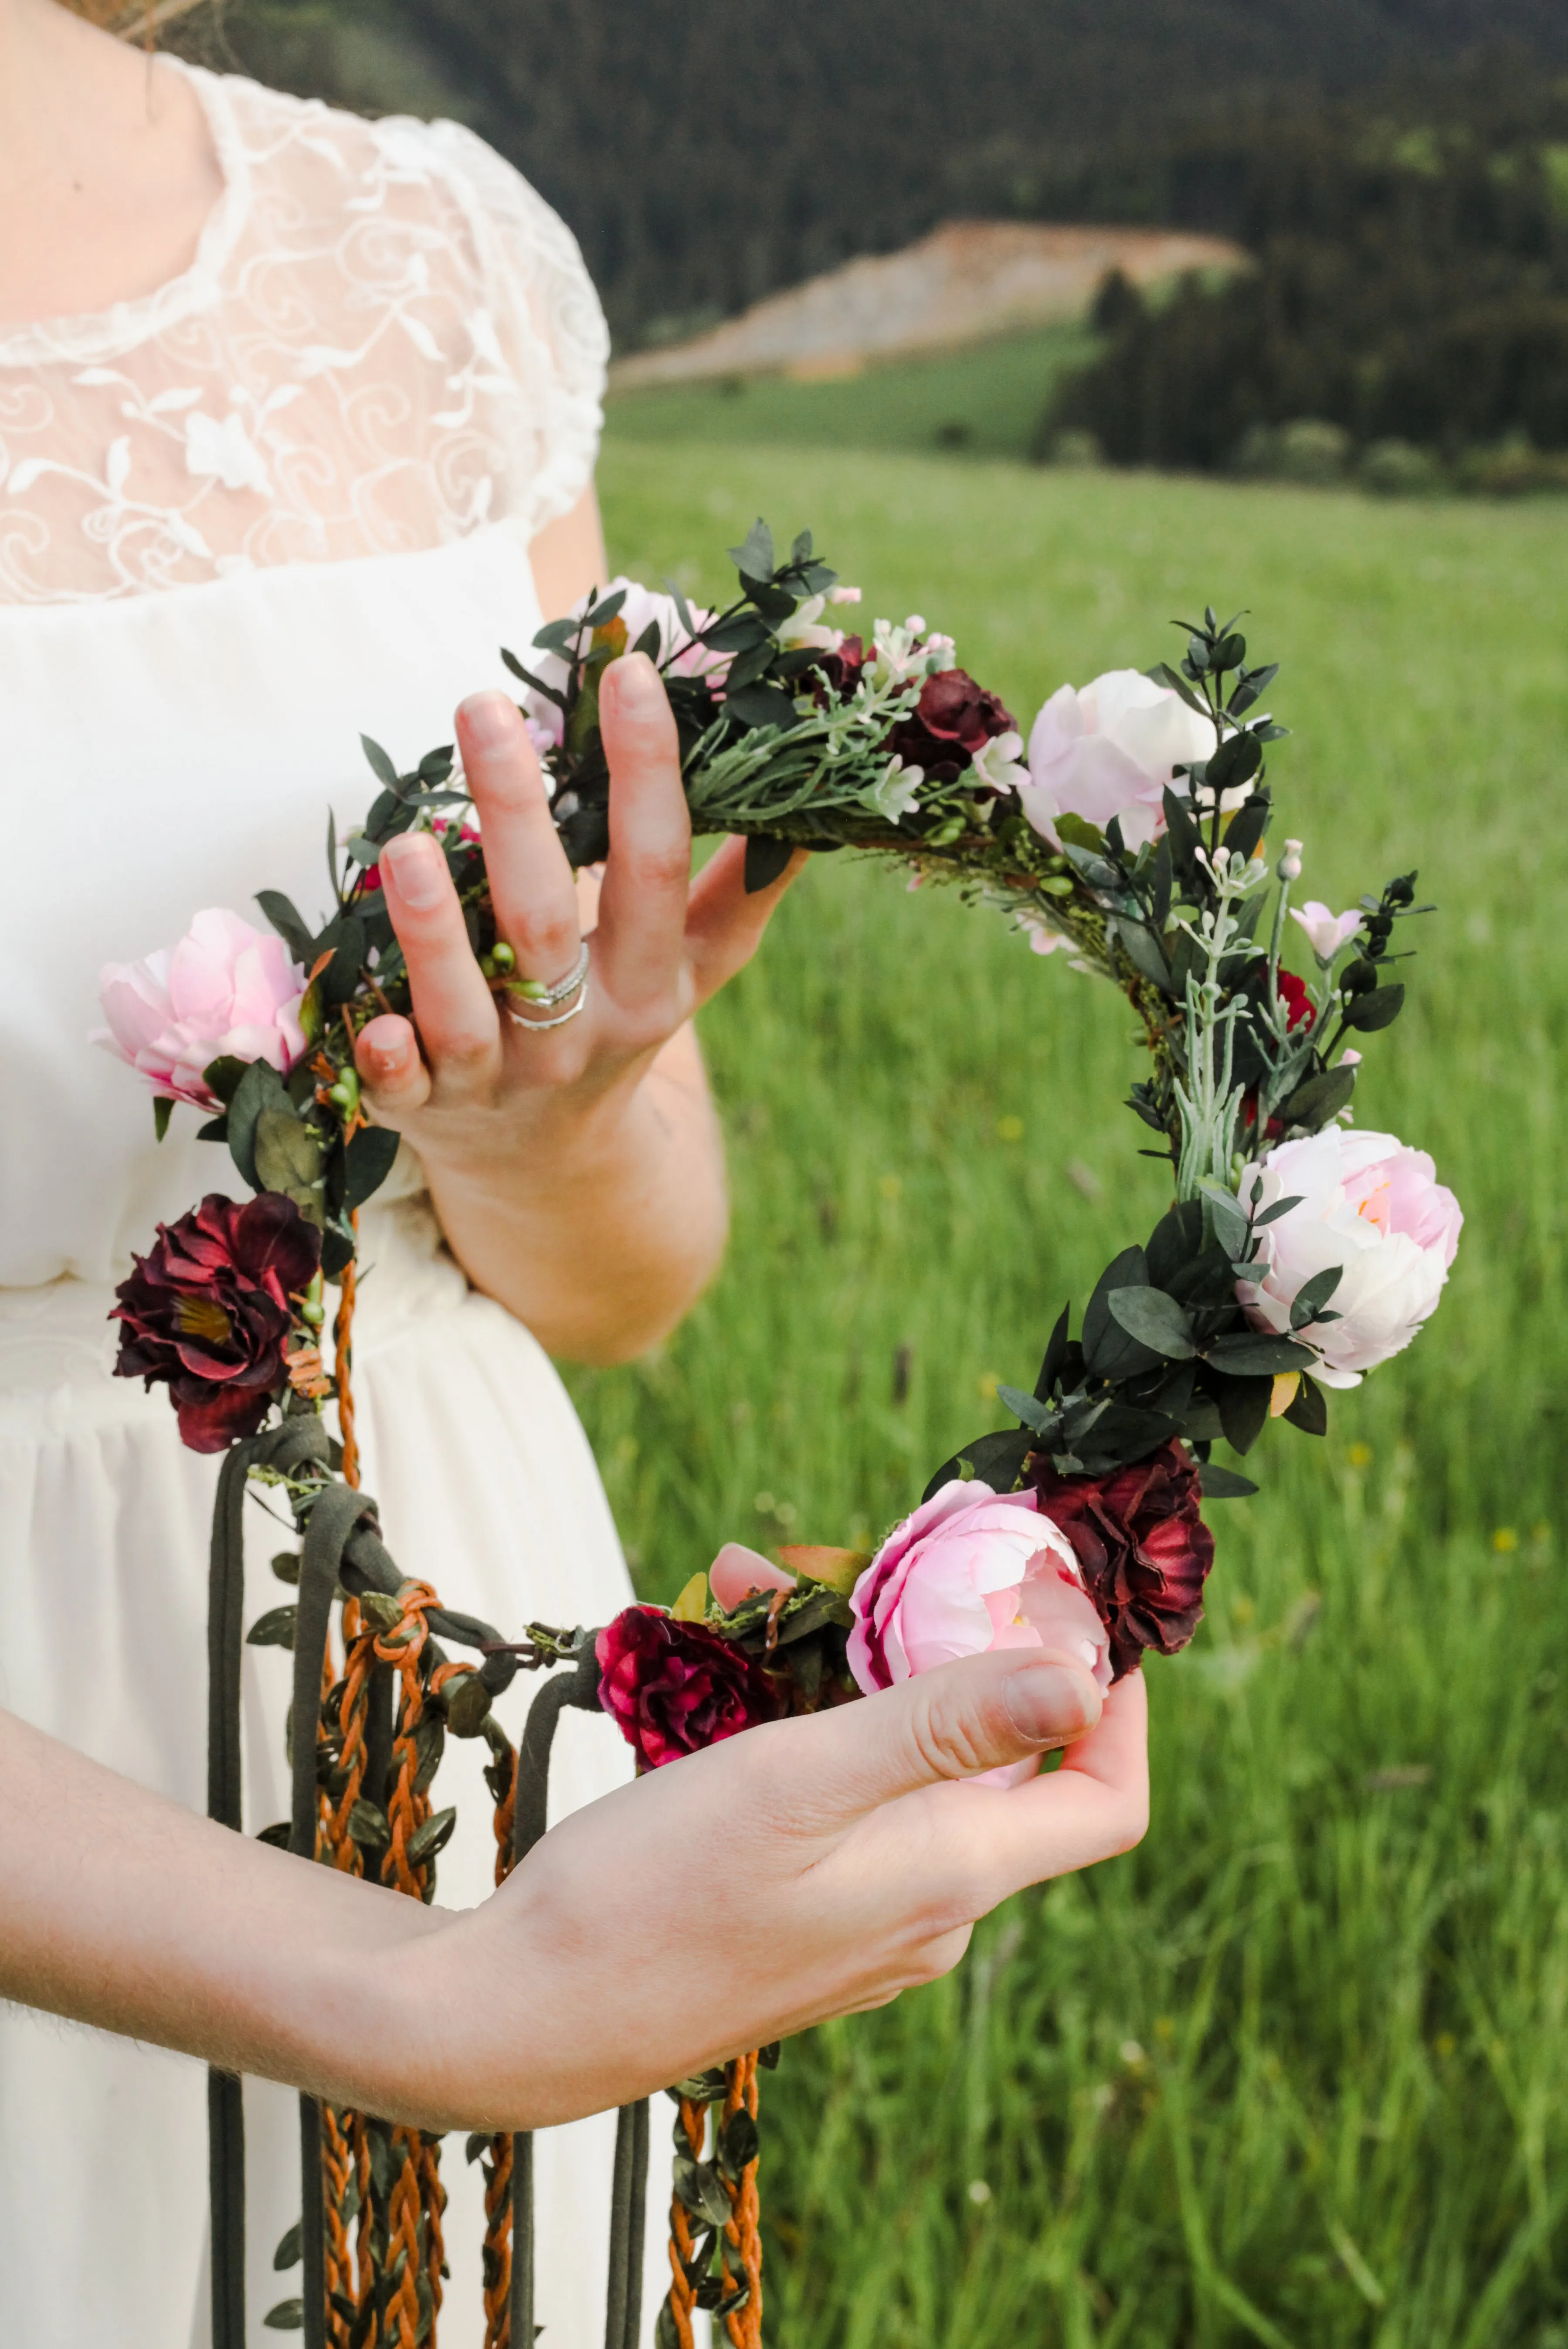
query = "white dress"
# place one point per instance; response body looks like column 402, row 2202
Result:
column 287, row 498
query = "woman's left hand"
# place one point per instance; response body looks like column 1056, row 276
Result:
column 576, row 1169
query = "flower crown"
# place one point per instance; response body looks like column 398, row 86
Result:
column 1297, row 1251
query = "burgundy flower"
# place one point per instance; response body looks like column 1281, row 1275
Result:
column 1300, row 1012
column 833, row 677
column 1297, row 1002
column 207, row 1311
column 1142, row 1548
column 953, row 718
column 673, row 1688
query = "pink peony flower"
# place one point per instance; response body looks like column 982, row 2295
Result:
column 226, row 988
column 1376, row 1209
column 1326, row 932
column 971, row 1570
column 1109, row 750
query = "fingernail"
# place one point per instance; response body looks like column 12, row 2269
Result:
column 388, row 1059
column 416, row 867
column 634, row 682
column 489, row 719
column 1046, row 1704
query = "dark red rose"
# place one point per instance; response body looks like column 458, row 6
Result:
column 1297, row 1001
column 1141, row 1547
column 1300, row 1012
column 953, row 718
column 207, row 1311
column 833, row 677
column 673, row 1688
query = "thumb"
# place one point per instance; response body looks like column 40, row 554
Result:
column 981, row 1713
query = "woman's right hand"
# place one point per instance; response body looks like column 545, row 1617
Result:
column 807, row 1869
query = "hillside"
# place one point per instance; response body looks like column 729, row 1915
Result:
column 709, row 152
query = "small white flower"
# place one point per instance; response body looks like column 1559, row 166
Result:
column 1326, row 932
column 997, row 763
column 897, row 655
column 804, row 632
column 1290, row 863
column 224, row 452
column 897, row 793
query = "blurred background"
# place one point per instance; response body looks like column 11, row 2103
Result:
column 1053, row 320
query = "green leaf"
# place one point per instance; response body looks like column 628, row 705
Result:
column 697, row 2186
column 294, row 933
column 1034, row 1415
column 1055, row 1357
column 1236, row 763
column 433, row 1836
column 1156, row 1320
column 1314, row 1294
column 1076, row 832
column 288, row 2317
column 1144, row 952
column 737, row 2144
column 1308, row 1410
column 275, row 1629
column 1243, row 1405
column 370, row 1156
column 367, row 1825
column 761, row 705
column 1227, row 1215
column 1280, row 1207
column 287, row 2254
column 289, row 1154
column 1247, row 826
column 755, row 559
column 381, row 766
column 1176, row 1240
column 766, row 859
column 1322, row 1097
column 261, row 1088
column 1254, row 1353
column 1379, row 1008
column 162, row 1111
column 1223, row 1484
column 280, row 1835
column 996, row 1459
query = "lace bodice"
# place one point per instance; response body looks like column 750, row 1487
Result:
column 385, row 340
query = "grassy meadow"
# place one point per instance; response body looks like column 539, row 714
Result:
column 1296, row 2071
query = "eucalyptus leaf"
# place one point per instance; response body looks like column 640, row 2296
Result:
column 275, row 1629
column 1155, row 1320
column 1254, row 1353
column 1314, row 1294
column 381, row 766
column 1223, row 1484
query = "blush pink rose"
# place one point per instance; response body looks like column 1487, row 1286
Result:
column 226, row 988
column 1372, row 1206
column 970, row 1571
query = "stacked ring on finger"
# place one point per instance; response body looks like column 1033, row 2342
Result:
column 540, row 997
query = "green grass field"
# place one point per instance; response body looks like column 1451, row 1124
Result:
column 1296, row 2071
column 984, row 399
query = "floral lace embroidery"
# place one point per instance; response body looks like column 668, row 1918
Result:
column 385, row 340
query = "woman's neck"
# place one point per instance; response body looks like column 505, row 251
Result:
column 107, row 167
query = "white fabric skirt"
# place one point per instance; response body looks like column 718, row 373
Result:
column 488, row 1490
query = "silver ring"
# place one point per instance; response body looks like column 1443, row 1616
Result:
column 537, row 1027
column 547, row 998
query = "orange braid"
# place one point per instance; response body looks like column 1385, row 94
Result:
column 343, row 1330
column 683, row 2293
column 741, row 2240
column 405, row 2257
column 496, row 2165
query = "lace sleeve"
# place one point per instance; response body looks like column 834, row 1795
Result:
column 551, row 330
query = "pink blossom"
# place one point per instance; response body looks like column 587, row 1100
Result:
column 226, row 989
column 971, row 1571
column 738, row 1571
column 1326, row 932
column 1110, row 750
column 1368, row 1204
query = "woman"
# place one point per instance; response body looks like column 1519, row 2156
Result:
column 297, row 422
